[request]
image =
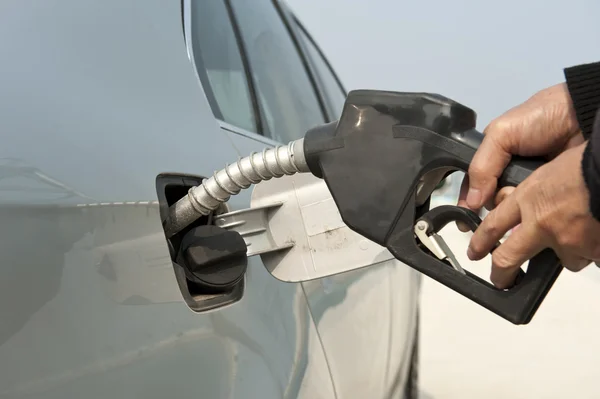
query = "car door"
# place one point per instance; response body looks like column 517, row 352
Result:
column 100, row 99
column 373, row 311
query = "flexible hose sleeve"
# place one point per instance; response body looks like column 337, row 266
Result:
column 207, row 197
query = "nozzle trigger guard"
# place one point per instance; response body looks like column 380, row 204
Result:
column 429, row 225
column 438, row 217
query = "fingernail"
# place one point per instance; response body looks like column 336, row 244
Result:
column 474, row 198
column 462, row 227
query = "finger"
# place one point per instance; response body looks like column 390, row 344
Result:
column 572, row 262
column 492, row 156
column 518, row 248
column 489, row 205
column 464, row 187
column 462, row 201
column 499, row 197
column 502, row 194
column 514, row 228
column 492, row 203
column 493, row 227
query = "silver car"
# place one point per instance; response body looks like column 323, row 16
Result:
column 110, row 110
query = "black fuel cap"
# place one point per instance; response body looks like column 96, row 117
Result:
column 213, row 257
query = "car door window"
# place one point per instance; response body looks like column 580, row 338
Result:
column 334, row 93
column 286, row 94
column 216, row 51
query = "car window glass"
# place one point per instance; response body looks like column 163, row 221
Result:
column 285, row 92
column 333, row 91
column 216, row 49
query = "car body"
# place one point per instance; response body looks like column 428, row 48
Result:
column 101, row 98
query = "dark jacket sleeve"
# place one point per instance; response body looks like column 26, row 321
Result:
column 591, row 168
column 583, row 82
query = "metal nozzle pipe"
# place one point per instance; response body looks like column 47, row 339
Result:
column 205, row 198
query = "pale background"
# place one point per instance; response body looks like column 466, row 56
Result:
column 489, row 55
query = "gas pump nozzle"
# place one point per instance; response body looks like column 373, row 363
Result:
column 381, row 161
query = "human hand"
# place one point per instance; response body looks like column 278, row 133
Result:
column 552, row 207
column 544, row 125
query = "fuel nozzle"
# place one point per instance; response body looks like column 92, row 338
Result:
column 381, row 161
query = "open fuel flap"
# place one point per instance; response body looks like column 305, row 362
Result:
column 209, row 262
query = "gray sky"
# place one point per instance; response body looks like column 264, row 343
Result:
column 489, row 55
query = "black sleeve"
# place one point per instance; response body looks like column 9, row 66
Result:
column 591, row 168
column 583, row 82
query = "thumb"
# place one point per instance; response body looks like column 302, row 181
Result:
column 487, row 165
